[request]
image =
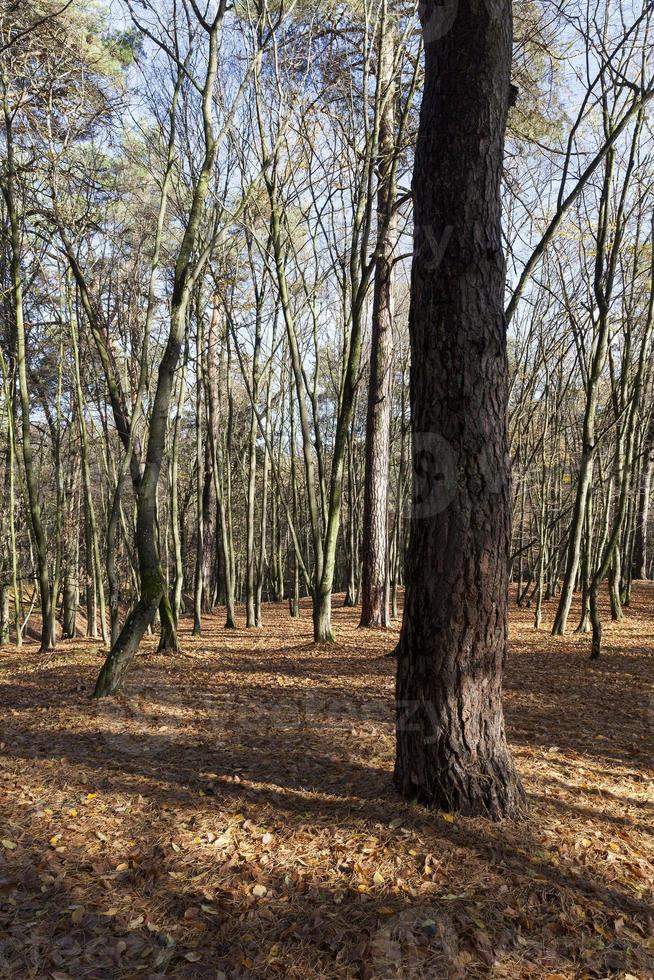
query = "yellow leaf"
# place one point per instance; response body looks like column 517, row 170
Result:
column 378, row 878
column 9, row 845
column 449, row 817
column 78, row 914
column 72, row 813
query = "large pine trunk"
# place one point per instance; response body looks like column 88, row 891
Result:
column 451, row 747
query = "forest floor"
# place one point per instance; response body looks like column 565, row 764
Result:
column 234, row 816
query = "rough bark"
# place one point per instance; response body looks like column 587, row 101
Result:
column 451, row 747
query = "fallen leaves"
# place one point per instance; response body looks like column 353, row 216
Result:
column 241, row 821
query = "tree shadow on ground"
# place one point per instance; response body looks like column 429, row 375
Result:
column 300, row 740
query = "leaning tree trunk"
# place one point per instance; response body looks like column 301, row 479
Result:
column 151, row 575
column 152, row 582
column 451, row 747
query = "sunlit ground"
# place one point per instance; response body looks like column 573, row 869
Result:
column 234, row 815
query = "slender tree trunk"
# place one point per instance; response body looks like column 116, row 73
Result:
column 151, row 576
column 152, row 581
column 69, row 624
column 71, row 558
column 4, row 614
column 585, row 569
column 261, row 562
column 250, row 573
column 451, row 747
column 34, row 503
column 5, row 478
column 208, row 533
column 199, row 488
column 374, row 549
column 175, row 522
column 642, row 519
column 213, row 381
column 350, row 530
column 94, row 562
column 91, row 596
column 13, row 542
column 226, row 469
column 294, row 595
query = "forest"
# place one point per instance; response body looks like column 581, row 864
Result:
column 326, row 465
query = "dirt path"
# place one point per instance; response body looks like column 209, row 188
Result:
column 235, row 817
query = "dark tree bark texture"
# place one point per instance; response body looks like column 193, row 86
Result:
column 451, row 747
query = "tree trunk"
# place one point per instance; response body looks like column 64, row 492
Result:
column 215, row 374
column 69, row 624
column 208, row 534
column 34, row 504
column 198, row 583
column 640, row 540
column 375, row 580
column 91, row 597
column 451, row 747
column 93, row 559
column 322, row 617
column 251, row 564
column 4, row 614
column 151, row 576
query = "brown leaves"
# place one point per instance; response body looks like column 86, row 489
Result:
column 242, row 821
